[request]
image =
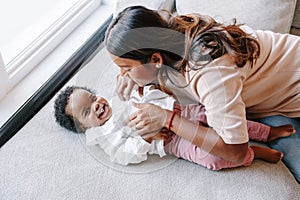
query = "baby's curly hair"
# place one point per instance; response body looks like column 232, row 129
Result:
column 62, row 118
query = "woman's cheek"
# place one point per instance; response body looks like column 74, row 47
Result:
column 137, row 78
column 142, row 76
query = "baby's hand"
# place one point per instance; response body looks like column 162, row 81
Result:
column 162, row 135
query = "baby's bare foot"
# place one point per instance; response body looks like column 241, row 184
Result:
column 281, row 131
column 267, row 154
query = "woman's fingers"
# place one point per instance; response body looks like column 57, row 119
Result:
column 130, row 85
column 141, row 117
column 124, row 87
column 142, row 127
column 138, row 121
column 149, row 119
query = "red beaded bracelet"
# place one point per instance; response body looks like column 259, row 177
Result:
column 171, row 119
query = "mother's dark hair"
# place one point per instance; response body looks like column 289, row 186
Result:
column 137, row 32
column 189, row 40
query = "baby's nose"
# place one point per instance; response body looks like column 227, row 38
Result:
column 96, row 106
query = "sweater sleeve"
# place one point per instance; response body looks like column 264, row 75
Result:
column 219, row 87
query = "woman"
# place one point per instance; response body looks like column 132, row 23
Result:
column 230, row 69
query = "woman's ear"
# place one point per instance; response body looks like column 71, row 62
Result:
column 157, row 59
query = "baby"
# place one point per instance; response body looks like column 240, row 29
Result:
column 80, row 110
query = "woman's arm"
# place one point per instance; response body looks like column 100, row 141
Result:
column 206, row 138
column 150, row 118
column 219, row 86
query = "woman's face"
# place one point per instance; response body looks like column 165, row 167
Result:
column 141, row 74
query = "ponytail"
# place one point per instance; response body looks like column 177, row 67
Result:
column 206, row 40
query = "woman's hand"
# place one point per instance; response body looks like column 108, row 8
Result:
column 124, row 87
column 148, row 120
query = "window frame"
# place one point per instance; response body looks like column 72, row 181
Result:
column 12, row 73
column 44, row 94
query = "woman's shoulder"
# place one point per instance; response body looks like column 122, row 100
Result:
column 221, row 64
column 219, row 73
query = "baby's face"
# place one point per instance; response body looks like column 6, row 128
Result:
column 89, row 109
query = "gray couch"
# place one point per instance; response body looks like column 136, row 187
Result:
column 44, row 161
column 277, row 15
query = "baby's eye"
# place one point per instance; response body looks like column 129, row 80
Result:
column 94, row 98
column 87, row 112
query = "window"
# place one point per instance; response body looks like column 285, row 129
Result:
column 31, row 29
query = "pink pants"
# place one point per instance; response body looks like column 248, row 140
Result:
column 184, row 149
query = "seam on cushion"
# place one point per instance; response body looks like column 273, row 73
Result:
column 296, row 18
column 292, row 15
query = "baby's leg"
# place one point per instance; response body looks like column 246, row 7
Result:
column 184, row 149
column 257, row 131
column 194, row 113
column 267, row 154
column 260, row 132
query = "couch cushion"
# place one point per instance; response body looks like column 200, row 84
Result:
column 276, row 15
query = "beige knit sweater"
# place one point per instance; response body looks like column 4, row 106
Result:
column 270, row 87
